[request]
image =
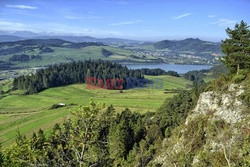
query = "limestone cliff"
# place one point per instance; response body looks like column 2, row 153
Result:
column 215, row 133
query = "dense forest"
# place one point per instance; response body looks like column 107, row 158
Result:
column 5, row 65
column 158, row 71
column 75, row 72
column 24, row 57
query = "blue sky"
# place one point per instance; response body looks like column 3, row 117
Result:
column 133, row 19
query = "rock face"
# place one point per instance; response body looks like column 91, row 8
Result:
column 211, row 132
column 223, row 105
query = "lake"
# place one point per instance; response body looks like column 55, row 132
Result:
column 180, row 68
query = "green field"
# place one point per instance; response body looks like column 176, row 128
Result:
column 29, row 113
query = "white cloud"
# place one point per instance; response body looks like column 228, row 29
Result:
column 211, row 16
column 181, row 16
column 225, row 23
column 10, row 24
column 126, row 23
column 21, row 7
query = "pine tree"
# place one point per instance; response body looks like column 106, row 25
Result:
column 117, row 142
column 237, row 48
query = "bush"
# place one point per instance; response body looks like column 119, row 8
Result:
column 238, row 78
column 220, row 84
column 55, row 106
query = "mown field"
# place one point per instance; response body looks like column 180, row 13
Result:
column 29, row 113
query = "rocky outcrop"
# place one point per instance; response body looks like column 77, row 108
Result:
column 223, row 105
column 212, row 129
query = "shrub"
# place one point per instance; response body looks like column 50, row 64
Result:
column 238, row 78
column 220, row 84
column 55, row 106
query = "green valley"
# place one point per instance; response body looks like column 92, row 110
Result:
column 33, row 53
column 32, row 112
column 119, row 83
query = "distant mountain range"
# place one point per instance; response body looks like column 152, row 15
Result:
column 49, row 43
column 21, row 35
column 190, row 44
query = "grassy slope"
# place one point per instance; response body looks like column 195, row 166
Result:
column 6, row 85
column 62, row 55
column 29, row 113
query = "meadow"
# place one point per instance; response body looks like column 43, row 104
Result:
column 29, row 113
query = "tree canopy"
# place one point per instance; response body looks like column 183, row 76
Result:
column 237, row 48
column 74, row 72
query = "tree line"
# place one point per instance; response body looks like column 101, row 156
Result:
column 24, row 57
column 158, row 71
column 72, row 73
column 79, row 72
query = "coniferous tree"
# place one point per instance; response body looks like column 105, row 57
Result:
column 75, row 72
column 237, row 48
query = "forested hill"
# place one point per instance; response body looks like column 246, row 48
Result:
column 50, row 43
column 190, row 44
column 75, row 72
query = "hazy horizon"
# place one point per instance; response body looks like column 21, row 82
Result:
column 136, row 20
column 44, row 34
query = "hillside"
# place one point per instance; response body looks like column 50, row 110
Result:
column 107, row 41
column 190, row 50
column 191, row 47
column 216, row 132
column 205, row 126
column 44, row 52
column 190, row 44
column 31, row 112
column 10, row 38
